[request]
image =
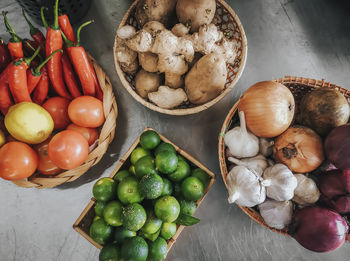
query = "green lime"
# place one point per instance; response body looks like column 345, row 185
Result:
column 121, row 175
column 167, row 187
column 192, row 188
column 168, row 230
column 100, row 231
column 134, row 217
column 96, row 218
column 182, row 171
column 99, row 207
column 202, row 176
column 181, row 158
column 166, row 162
column 150, row 237
column 137, row 154
column 187, row 207
column 167, row 208
column 145, row 166
column 152, row 224
column 128, row 190
column 113, row 213
column 149, row 139
column 164, row 146
column 151, row 186
column 177, row 190
column 135, row 249
column 132, row 170
column 110, row 252
column 158, row 250
column 121, row 233
column 104, row 189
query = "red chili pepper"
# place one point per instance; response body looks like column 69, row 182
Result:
column 34, row 75
column 54, row 66
column 69, row 77
column 15, row 43
column 5, row 58
column 5, row 96
column 42, row 89
column 81, row 63
column 66, row 27
column 99, row 92
column 37, row 35
column 17, row 78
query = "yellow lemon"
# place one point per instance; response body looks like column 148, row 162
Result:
column 2, row 138
column 29, row 122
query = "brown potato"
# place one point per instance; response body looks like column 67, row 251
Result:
column 154, row 10
column 207, row 78
column 146, row 82
column 195, row 12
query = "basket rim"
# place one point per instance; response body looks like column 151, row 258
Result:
column 95, row 155
column 221, row 145
column 196, row 109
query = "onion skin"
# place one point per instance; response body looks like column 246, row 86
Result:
column 337, row 146
column 300, row 148
column 334, row 183
column 318, row 229
column 268, row 107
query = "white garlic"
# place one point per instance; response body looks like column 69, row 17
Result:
column 240, row 141
column 244, row 187
column 306, row 191
column 280, row 182
column 266, row 146
column 276, row 214
column 258, row 163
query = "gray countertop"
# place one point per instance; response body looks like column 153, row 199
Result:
column 285, row 37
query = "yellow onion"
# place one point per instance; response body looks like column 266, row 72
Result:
column 300, row 148
column 268, row 107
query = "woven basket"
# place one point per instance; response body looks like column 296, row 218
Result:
column 106, row 136
column 299, row 86
column 228, row 22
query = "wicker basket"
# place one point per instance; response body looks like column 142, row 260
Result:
column 228, row 22
column 83, row 223
column 105, row 138
column 299, row 86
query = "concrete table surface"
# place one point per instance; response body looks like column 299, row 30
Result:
column 285, row 37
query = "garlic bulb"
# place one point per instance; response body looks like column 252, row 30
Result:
column 280, row 182
column 306, row 191
column 257, row 164
column 244, row 187
column 240, row 141
column 276, row 214
column 266, row 146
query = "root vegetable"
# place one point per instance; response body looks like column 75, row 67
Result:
column 195, row 12
column 174, row 80
column 306, row 191
column 335, row 183
column 153, row 27
column 125, row 56
column 146, row 82
column 204, row 40
column 154, row 10
column 276, row 214
column 226, row 48
column 168, row 98
column 142, row 41
column 149, row 61
column 180, row 30
column 207, row 78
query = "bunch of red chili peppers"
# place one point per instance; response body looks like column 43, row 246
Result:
column 28, row 68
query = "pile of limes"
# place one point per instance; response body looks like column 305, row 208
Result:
column 140, row 208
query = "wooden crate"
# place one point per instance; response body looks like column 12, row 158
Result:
column 83, row 223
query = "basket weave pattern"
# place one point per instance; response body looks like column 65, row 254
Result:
column 228, row 22
column 299, row 86
column 105, row 138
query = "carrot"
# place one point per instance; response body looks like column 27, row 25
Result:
column 15, row 43
column 69, row 77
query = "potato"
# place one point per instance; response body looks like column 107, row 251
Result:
column 146, row 82
column 207, row 78
column 195, row 12
column 149, row 61
column 154, row 10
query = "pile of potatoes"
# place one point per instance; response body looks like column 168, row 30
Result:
column 182, row 64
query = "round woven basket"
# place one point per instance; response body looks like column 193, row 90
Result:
column 299, row 86
column 228, row 22
column 105, row 138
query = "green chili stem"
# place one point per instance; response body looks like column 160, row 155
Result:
column 43, row 16
column 33, row 30
column 56, row 25
column 79, row 29
column 9, row 28
column 37, row 70
column 30, row 59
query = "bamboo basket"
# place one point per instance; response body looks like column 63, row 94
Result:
column 228, row 22
column 105, row 138
column 299, row 86
column 84, row 221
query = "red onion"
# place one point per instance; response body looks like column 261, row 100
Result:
column 337, row 146
column 334, row 183
column 318, row 229
column 342, row 204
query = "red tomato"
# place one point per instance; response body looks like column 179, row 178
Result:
column 58, row 109
column 17, row 161
column 86, row 111
column 68, row 149
column 45, row 166
column 91, row 135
